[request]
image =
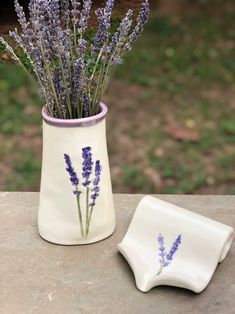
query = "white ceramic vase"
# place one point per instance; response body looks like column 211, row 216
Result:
column 76, row 201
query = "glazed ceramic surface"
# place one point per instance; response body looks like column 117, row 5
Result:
column 76, row 202
column 169, row 245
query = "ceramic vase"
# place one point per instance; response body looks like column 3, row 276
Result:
column 76, row 201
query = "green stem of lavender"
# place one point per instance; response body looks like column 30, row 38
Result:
column 81, row 106
column 99, row 92
column 96, row 64
column 79, row 110
column 95, row 104
column 106, row 76
column 160, row 270
column 89, row 219
column 66, row 84
column 52, row 84
column 87, row 209
column 80, row 215
column 45, row 94
column 54, row 92
column 71, row 54
column 101, row 87
column 75, row 37
column 81, row 102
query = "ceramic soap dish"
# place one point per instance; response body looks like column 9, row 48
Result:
column 168, row 245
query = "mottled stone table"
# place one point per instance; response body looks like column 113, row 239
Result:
column 39, row 277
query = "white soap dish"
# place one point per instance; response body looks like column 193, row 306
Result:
column 168, row 245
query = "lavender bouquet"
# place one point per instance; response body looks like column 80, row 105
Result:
column 73, row 71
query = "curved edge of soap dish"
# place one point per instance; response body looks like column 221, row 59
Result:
column 168, row 279
column 227, row 244
column 139, row 280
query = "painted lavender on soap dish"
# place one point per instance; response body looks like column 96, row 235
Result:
column 89, row 186
column 72, row 71
column 165, row 258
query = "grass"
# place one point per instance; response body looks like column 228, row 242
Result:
column 180, row 62
column 184, row 73
column 20, row 116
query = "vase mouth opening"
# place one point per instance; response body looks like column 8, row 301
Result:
column 71, row 123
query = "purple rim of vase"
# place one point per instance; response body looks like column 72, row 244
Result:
column 73, row 123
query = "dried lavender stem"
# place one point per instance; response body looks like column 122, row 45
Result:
column 95, row 104
column 66, row 84
column 44, row 91
column 75, row 37
column 104, row 80
column 78, row 108
column 9, row 49
column 51, row 82
column 96, row 64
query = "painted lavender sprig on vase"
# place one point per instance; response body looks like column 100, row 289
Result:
column 87, row 184
column 72, row 71
column 75, row 182
column 86, row 173
column 95, row 190
column 166, row 258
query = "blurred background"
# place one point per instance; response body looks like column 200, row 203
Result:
column 171, row 123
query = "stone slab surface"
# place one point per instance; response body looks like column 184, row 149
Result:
column 39, row 277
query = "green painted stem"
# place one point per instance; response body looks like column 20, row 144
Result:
column 80, row 215
column 160, row 270
column 87, row 210
column 89, row 219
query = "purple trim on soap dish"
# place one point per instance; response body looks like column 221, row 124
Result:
column 73, row 123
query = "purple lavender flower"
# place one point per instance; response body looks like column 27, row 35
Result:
column 57, row 53
column 73, row 175
column 76, row 70
column 166, row 259
column 21, row 15
column 15, row 35
column 86, row 165
column 84, row 16
column 21, row 40
column 65, row 12
column 141, row 20
column 75, row 11
column 162, row 251
column 85, row 100
column 119, row 38
column 174, row 248
column 96, row 188
column 61, row 88
column 82, row 45
column 104, row 19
